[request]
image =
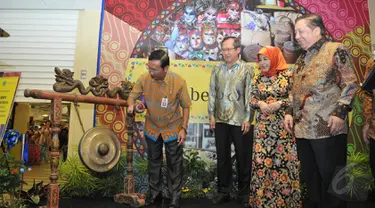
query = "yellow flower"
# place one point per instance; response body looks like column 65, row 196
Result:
column 260, row 193
column 186, row 189
column 205, row 190
column 283, row 83
column 256, row 77
column 295, row 184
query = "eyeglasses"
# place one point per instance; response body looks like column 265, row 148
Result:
column 227, row 49
column 153, row 70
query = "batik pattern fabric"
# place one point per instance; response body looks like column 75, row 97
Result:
column 368, row 104
column 323, row 85
column 162, row 120
column 229, row 93
column 275, row 174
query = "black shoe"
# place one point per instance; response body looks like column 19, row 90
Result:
column 220, row 199
column 244, row 201
column 175, row 203
column 153, row 200
column 371, row 197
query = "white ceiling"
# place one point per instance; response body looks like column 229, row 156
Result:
column 94, row 5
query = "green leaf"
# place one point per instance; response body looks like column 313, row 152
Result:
column 35, row 199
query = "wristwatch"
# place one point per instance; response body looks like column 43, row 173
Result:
column 183, row 129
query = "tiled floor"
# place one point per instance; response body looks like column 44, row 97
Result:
column 37, row 172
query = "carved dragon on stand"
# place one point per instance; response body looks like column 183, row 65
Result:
column 98, row 85
column 66, row 83
column 123, row 90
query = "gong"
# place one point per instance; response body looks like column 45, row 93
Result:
column 99, row 149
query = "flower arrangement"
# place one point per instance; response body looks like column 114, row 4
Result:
column 199, row 176
column 195, row 192
column 10, row 172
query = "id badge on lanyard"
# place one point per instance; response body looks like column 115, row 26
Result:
column 164, row 102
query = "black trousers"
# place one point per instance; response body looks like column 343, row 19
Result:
column 372, row 156
column 319, row 159
column 174, row 154
column 225, row 134
column 64, row 151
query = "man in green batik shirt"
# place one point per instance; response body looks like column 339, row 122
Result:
column 229, row 113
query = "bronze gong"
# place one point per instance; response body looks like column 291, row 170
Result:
column 99, row 149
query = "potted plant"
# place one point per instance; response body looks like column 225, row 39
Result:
column 199, row 176
column 358, row 176
column 10, row 172
column 78, row 181
column 36, row 196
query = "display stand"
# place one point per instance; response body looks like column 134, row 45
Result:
column 102, row 95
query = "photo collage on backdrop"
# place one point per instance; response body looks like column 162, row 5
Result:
column 195, row 31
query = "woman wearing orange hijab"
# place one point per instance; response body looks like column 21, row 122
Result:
column 275, row 179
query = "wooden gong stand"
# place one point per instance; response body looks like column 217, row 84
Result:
column 128, row 197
